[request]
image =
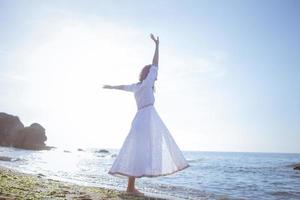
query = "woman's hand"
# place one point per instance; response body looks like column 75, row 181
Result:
column 107, row 87
column 155, row 40
column 155, row 57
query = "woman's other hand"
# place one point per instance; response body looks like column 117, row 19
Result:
column 155, row 40
column 107, row 87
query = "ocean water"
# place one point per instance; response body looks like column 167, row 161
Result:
column 211, row 175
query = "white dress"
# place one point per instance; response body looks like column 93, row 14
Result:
column 149, row 149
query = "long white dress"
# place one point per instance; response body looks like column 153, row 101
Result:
column 149, row 149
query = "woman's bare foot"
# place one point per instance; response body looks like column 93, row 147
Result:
column 135, row 192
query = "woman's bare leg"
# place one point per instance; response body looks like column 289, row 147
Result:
column 131, row 188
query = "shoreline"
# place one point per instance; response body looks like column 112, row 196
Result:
column 19, row 185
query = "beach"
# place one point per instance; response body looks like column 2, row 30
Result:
column 62, row 173
column 18, row 185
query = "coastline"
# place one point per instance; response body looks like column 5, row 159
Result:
column 18, row 185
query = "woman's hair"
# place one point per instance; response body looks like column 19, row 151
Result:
column 143, row 74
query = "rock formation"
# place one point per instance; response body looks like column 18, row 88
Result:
column 13, row 133
column 9, row 127
column 297, row 167
column 102, row 151
column 32, row 137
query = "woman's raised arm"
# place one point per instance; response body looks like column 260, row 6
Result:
column 156, row 53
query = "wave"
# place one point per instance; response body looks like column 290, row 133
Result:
column 195, row 160
column 285, row 194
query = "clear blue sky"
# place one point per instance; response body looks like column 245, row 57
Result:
column 230, row 69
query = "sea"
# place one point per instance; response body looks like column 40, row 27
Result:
column 211, row 175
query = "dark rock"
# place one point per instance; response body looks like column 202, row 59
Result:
column 9, row 127
column 40, row 175
column 48, row 147
column 14, row 134
column 4, row 158
column 102, row 151
column 79, row 149
column 297, row 167
column 32, row 137
column 9, row 159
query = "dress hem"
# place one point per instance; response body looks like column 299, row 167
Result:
column 148, row 175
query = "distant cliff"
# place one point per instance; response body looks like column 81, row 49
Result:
column 14, row 134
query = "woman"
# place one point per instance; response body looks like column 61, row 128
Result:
column 149, row 149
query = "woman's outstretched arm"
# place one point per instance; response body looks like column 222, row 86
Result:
column 156, row 53
column 129, row 88
column 118, row 87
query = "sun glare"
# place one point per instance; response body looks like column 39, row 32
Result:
column 67, row 70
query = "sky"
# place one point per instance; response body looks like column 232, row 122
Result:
column 229, row 71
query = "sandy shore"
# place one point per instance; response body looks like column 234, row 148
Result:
column 17, row 185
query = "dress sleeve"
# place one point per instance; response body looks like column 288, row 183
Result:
column 130, row 87
column 151, row 77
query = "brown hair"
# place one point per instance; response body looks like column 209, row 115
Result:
column 144, row 73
